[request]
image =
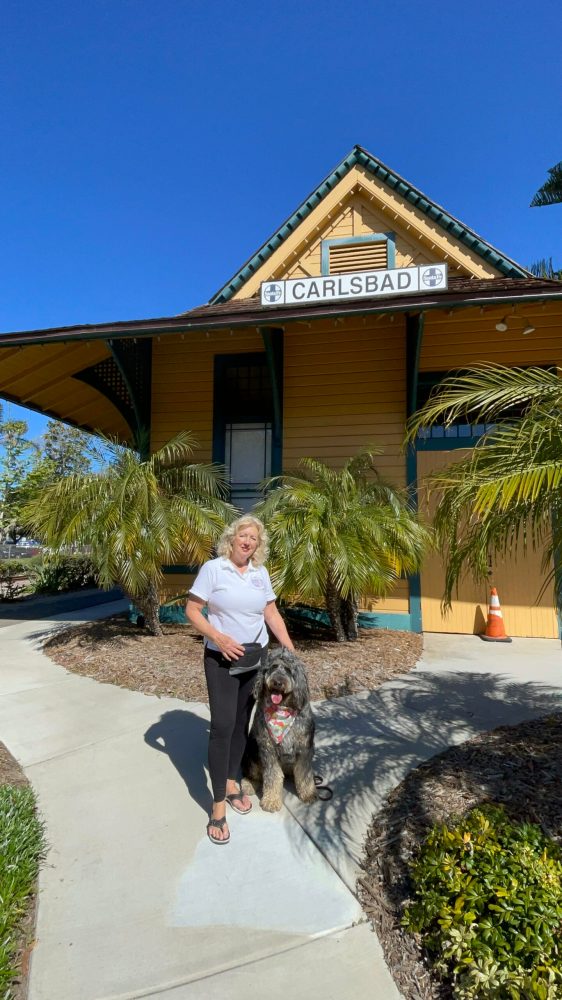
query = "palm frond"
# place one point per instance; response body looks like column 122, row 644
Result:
column 485, row 393
column 345, row 526
column 551, row 191
column 137, row 515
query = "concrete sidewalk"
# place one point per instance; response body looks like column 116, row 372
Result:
column 135, row 902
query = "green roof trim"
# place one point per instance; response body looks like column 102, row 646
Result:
column 360, row 156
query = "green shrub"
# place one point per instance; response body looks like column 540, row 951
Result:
column 22, row 846
column 60, row 573
column 34, row 562
column 488, row 906
column 10, row 570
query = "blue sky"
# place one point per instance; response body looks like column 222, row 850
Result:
column 150, row 146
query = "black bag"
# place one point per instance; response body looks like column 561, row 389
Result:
column 250, row 659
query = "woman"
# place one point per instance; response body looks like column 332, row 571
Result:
column 240, row 602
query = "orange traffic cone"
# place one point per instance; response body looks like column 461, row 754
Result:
column 495, row 631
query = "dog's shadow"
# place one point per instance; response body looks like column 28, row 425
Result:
column 183, row 736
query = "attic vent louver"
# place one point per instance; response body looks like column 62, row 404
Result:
column 358, row 257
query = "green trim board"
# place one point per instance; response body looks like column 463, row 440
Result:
column 388, row 238
column 134, row 361
column 360, row 157
column 414, row 338
column 367, row 619
column 273, row 340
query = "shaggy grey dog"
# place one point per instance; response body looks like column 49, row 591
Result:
column 282, row 735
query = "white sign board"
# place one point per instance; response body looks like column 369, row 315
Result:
column 357, row 285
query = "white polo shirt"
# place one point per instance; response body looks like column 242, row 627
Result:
column 235, row 601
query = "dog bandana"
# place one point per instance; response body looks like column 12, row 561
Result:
column 278, row 721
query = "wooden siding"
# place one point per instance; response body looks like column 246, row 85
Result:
column 453, row 341
column 410, row 252
column 518, row 579
column 307, row 261
column 182, row 383
column 468, row 336
column 175, row 584
column 345, row 389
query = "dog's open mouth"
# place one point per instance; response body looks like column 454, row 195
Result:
column 276, row 698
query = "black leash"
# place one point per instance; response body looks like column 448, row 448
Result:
column 325, row 793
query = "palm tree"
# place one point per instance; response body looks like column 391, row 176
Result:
column 339, row 535
column 510, row 486
column 544, row 268
column 551, row 191
column 136, row 515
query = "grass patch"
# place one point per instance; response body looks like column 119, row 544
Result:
column 22, row 845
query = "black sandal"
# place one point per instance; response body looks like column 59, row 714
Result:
column 219, row 825
column 238, row 797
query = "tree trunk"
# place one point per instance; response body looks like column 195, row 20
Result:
column 350, row 614
column 334, row 609
column 149, row 605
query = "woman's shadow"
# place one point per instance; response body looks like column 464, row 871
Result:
column 184, row 736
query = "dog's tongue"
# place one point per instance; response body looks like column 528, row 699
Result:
column 277, row 699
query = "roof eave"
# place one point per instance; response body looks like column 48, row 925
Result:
column 260, row 317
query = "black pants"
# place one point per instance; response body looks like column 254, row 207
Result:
column 231, row 702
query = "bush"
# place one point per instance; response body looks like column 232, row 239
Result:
column 21, row 849
column 488, row 906
column 10, row 570
column 61, row 573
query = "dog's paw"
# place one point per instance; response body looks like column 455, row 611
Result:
column 247, row 787
column 270, row 804
column 310, row 795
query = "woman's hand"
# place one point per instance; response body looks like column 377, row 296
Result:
column 229, row 647
column 275, row 622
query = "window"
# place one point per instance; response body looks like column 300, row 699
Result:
column 458, row 431
column 243, row 424
column 358, row 253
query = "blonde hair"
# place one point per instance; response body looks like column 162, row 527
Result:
column 224, row 547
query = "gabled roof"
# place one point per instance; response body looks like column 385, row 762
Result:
column 360, row 157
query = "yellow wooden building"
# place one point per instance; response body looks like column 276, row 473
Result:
column 317, row 347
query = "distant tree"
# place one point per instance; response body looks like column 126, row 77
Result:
column 551, row 191
column 69, row 449
column 544, row 268
column 16, row 458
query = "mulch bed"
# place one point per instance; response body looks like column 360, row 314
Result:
column 116, row 652
column 518, row 766
column 12, row 774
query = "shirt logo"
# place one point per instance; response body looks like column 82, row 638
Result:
column 257, row 582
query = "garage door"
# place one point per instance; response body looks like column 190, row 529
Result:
column 518, row 579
